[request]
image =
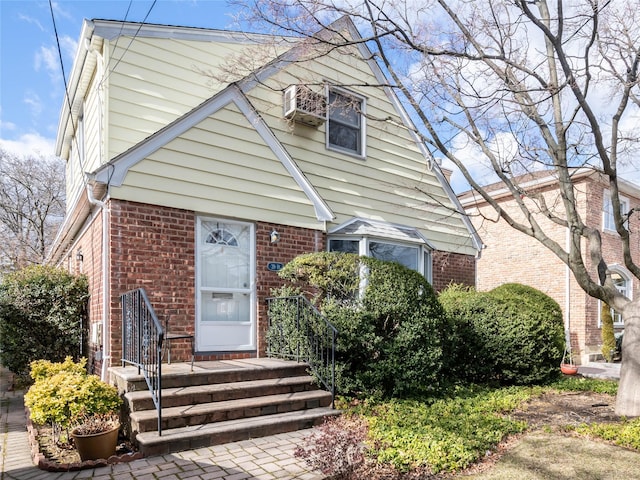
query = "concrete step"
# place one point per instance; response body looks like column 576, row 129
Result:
column 187, row 438
column 220, row 401
column 175, row 397
column 221, row 411
column 179, row 375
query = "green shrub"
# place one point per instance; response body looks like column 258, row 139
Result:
column 42, row 311
column 534, row 329
column 43, row 369
column 325, row 275
column 390, row 331
column 445, row 435
column 64, row 392
column 510, row 335
column 625, row 434
column 467, row 334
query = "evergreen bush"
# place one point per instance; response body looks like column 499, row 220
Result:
column 470, row 330
column 42, row 313
column 512, row 335
column 390, row 323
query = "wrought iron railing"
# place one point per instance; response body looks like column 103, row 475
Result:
column 298, row 331
column 142, row 339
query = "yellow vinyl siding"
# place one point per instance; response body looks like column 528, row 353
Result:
column 228, row 208
column 157, row 81
column 94, row 132
column 383, row 186
column 223, row 167
column 73, row 179
column 77, row 164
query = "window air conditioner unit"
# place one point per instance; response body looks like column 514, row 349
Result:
column 303, row 105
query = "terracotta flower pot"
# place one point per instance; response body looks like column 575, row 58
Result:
column 96, row 446
column 568, row 369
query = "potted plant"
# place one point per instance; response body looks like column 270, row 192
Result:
column 65, row 396
column 567, row 366
column 96, row 436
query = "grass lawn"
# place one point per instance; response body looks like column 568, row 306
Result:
column 541, row 455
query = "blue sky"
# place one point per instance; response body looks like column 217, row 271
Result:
column 31, row 85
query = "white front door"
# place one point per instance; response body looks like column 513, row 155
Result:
column 225, row 286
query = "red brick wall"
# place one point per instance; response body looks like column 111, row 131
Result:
column 451, row 268
column 293, row 241
column 611, row 250
column 512, row 256
column 154, row 248
column 89, row 246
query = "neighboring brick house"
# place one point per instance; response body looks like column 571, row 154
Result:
column 197, row 190
column 511, row 256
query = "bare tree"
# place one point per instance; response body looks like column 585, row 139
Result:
column 31, row 207
column 522, row 85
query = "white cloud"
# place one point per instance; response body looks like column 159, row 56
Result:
column 630, row 172
column 61, row 12
column 474, row 161
column 33, row 102
column 7, row 125
column 47, row 58
column 68, row 46
column 29, row 144
column 32, row 20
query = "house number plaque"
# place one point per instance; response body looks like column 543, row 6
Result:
column 274, row 266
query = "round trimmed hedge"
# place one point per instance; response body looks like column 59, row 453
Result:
column 512, row 335
column 391, row 325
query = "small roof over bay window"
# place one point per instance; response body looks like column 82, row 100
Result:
column 384, row 241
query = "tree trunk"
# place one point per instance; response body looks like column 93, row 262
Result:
column 628, row 398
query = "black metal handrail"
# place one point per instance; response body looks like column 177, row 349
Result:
column 298, row 331
column 142, row 339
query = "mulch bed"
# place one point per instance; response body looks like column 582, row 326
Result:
column 49, row 456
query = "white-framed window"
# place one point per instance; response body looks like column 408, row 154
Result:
column 346, row 126
column 624, row 284
column 415, row 257
column 608, row 222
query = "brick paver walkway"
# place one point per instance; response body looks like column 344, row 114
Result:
column 267, row 458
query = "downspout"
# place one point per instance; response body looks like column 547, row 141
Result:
column 106, row 290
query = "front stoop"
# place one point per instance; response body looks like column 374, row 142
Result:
column 220, row 402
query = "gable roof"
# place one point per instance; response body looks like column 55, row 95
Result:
column 114, row 172
column 346, row 23
column 408, row 123
column 92, row 36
